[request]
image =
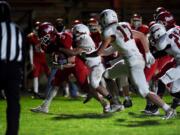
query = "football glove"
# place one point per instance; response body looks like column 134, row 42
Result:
column 149, row 59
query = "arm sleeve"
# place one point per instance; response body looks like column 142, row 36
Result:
column 67, row 41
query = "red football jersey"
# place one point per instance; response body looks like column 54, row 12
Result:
column 39, row 57
column 33, row 40
column 144, row 29
column 96, row 37
column 65, row 40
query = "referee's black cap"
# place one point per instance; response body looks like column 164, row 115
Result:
column 4, row 11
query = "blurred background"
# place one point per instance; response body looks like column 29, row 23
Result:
column 25, row 12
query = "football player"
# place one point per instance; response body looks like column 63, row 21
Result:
column 167, row 42
column 51, row 42
column 95, row 31
column 165, row 18
column 37, row 59
column 119, row 35
column 85, row 46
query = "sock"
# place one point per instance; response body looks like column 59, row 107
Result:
column 161, row 89
column 165, row 107
column 50, row 96
column 35, row 82
column 66, row 88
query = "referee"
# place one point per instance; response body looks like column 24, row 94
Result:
column 11, row 65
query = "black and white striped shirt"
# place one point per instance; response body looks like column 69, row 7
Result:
column 11, row 42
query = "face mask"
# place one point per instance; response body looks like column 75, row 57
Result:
column 136, row 24
column 60, row 28
column 93, row 28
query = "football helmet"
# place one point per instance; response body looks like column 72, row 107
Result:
column 47, row 34
column 151, row 23
column 93, row 25
column 157, row 30
column 36, row 27
column 136, row 21
column 158, row 11
column 37, row 23
column 92, row 21
column 80, row 29
column 167, row 19
column 76, row 21
column 107, row 17
column 59, row 24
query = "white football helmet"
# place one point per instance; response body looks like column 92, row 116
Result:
column 107, row 17
column 157, row 30
column 80, row 29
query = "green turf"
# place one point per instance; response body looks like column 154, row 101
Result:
column 71, row 117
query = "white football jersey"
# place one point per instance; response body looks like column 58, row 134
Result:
column 171, row 39
column 85, row 41
column 124, row 41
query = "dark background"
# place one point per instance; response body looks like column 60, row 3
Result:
column 25, row 12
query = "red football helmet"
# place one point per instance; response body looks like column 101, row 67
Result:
column 136, row 21
column 47, row 34
column 93, row 25
column 76, row 22
column 167, row 19
column 36, row 27
column 37, row 23
column 92, row 21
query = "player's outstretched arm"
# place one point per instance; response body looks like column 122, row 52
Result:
column 105, row 43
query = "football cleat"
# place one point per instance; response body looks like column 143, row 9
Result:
column 127, row 103
column 38, row 96
column 107, row 109
column 115, row 107
column 40, row 109
column 171, row 113
column 87, row 98
column 154, row 110
column 112, row 108
column 147, row 109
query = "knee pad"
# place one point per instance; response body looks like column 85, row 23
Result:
column 94, row 84
column 170, row 76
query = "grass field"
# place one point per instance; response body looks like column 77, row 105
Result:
column 71, row 117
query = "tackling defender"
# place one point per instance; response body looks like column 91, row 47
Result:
column 119, row 35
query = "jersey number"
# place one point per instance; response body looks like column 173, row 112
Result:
column 126, row 32
column 176, row 36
